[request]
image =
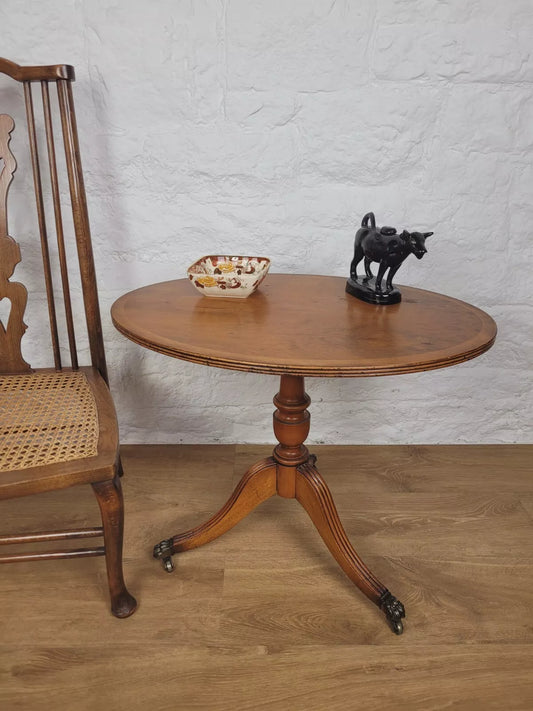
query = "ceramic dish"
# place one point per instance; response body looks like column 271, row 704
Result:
column 230, row 276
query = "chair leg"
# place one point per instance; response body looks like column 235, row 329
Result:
column 109, row 497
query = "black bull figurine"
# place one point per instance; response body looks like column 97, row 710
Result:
column 389, row 249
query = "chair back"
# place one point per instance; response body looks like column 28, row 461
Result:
column 44, row 163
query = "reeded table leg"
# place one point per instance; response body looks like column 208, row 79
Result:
column 291, row 473
column 299, row 478
column 314, row 495
column 256, row 486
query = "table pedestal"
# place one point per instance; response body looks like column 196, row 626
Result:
column 291, row 473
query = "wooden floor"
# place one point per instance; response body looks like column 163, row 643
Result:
column 263, row 618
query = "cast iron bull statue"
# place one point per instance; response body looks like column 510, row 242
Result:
column 389, row 249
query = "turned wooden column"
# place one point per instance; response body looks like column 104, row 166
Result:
column 291, row 427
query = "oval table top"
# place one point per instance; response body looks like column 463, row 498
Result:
column 304, row 325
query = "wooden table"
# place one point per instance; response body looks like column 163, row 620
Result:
column 296, row 326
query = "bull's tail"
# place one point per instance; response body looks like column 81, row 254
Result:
column 369, row 216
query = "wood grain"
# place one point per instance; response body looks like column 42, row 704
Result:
column 263, row 618
column 36, row 73
column 304, row 325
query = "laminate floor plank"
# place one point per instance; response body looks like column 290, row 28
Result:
column 419, row 468
column 451, row 603
column 310, row 678
column 440, row 527
column 526, row 500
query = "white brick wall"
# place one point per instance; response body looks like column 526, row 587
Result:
column 260, row 126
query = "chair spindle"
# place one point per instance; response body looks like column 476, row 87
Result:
column 59, row 224
column 81, row 225
column 42, row 223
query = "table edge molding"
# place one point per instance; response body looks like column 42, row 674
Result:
column 309, row 371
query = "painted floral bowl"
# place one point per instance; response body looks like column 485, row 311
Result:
column 232, row 276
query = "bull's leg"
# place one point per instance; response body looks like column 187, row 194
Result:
column 368, row 271
column 390, row 275
column 357, row 256
column 379, row 278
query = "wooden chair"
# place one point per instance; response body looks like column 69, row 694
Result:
column 58, row 425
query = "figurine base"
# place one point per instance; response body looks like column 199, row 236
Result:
column 364, row 288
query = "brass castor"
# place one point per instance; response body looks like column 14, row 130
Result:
column 397, row 626
column 163, row 552
column 394, row 611
column 168, row 565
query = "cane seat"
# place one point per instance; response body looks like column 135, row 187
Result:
column 46, row 418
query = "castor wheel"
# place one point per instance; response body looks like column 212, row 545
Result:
column 397, row 626
column 168, row 565
column 163, row 552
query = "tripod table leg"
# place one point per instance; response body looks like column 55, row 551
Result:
column 314, row 495
column 256, row 486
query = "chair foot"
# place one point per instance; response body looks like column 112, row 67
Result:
column 123, row 605
column 111, row 503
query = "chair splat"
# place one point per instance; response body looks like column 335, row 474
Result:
column 12, row 292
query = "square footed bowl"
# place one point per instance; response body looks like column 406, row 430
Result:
column 229, row 276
